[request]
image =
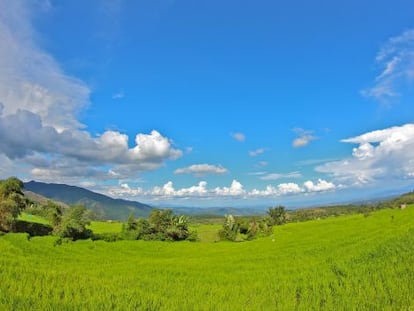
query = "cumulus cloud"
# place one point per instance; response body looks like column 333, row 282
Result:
column 236, row 190
column 321, row 185
column 39, row 106
column 200, row 170
column 303, row 139
column 238, row 136
column 380, row 155
column 288, row 188
column 396, row 58
column 24, row 133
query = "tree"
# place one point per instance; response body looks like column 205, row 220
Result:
column 277, row 215
column 73, row 224
column 12, row 202
column 230, row 229
column 53, row 213
column 178, row 230
column 161, row 225
column 161, row 219
column 131, row 223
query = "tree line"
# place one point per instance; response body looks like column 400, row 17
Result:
column 72, row 223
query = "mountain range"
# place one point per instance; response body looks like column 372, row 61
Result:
column 104, row 207
column 107, row 208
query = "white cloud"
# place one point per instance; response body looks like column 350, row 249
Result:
column 199, row 190
column 39, row 106
column 153, row 148
column 382, row 155
column 279, row 190
column 288, row 188
column 321, row 185
column 23, row 134
column 303, row 139
column 236, row 190
column 256, row 152
column 238, row 136
column 200, row 170
column 276, row 176
column 31, row 79
column 396, row 57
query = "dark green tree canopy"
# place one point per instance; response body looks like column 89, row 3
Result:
column 12, row 202
column 161, row 225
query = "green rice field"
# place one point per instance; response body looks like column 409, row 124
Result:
column 356, row 262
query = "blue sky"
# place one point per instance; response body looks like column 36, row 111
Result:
column 210, row 102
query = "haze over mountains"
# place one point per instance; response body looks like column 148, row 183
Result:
column 117, row 209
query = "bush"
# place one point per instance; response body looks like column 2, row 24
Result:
column 249, row 229
column 162, row 225
column 73, row 224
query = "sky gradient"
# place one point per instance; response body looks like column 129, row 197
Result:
column 210, row 103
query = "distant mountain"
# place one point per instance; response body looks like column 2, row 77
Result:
column 104, row 206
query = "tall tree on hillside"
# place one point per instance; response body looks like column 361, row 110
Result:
column 12, row 202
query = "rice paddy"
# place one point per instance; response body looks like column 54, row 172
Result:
column 354, row 262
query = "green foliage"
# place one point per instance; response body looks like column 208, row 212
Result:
column 53, row 213
column 244, row 229
column 230, row 229
column 277, row 215
column 74, row 223
column 10, row 186
column 12, row 202
column 162, row 225
column 107, row 236
column 407, row 198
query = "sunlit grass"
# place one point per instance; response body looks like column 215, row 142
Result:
column 345, row 263
column 33, row 218
column 105, row 227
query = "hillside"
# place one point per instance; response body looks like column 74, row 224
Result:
column 104, row 206
column 353, row 262
column 40, row 199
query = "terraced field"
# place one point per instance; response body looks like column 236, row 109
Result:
column 357, row 262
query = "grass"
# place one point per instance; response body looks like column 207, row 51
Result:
column 33, row 218
column 207, row 233
column 105, row 227
column 357, row 262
